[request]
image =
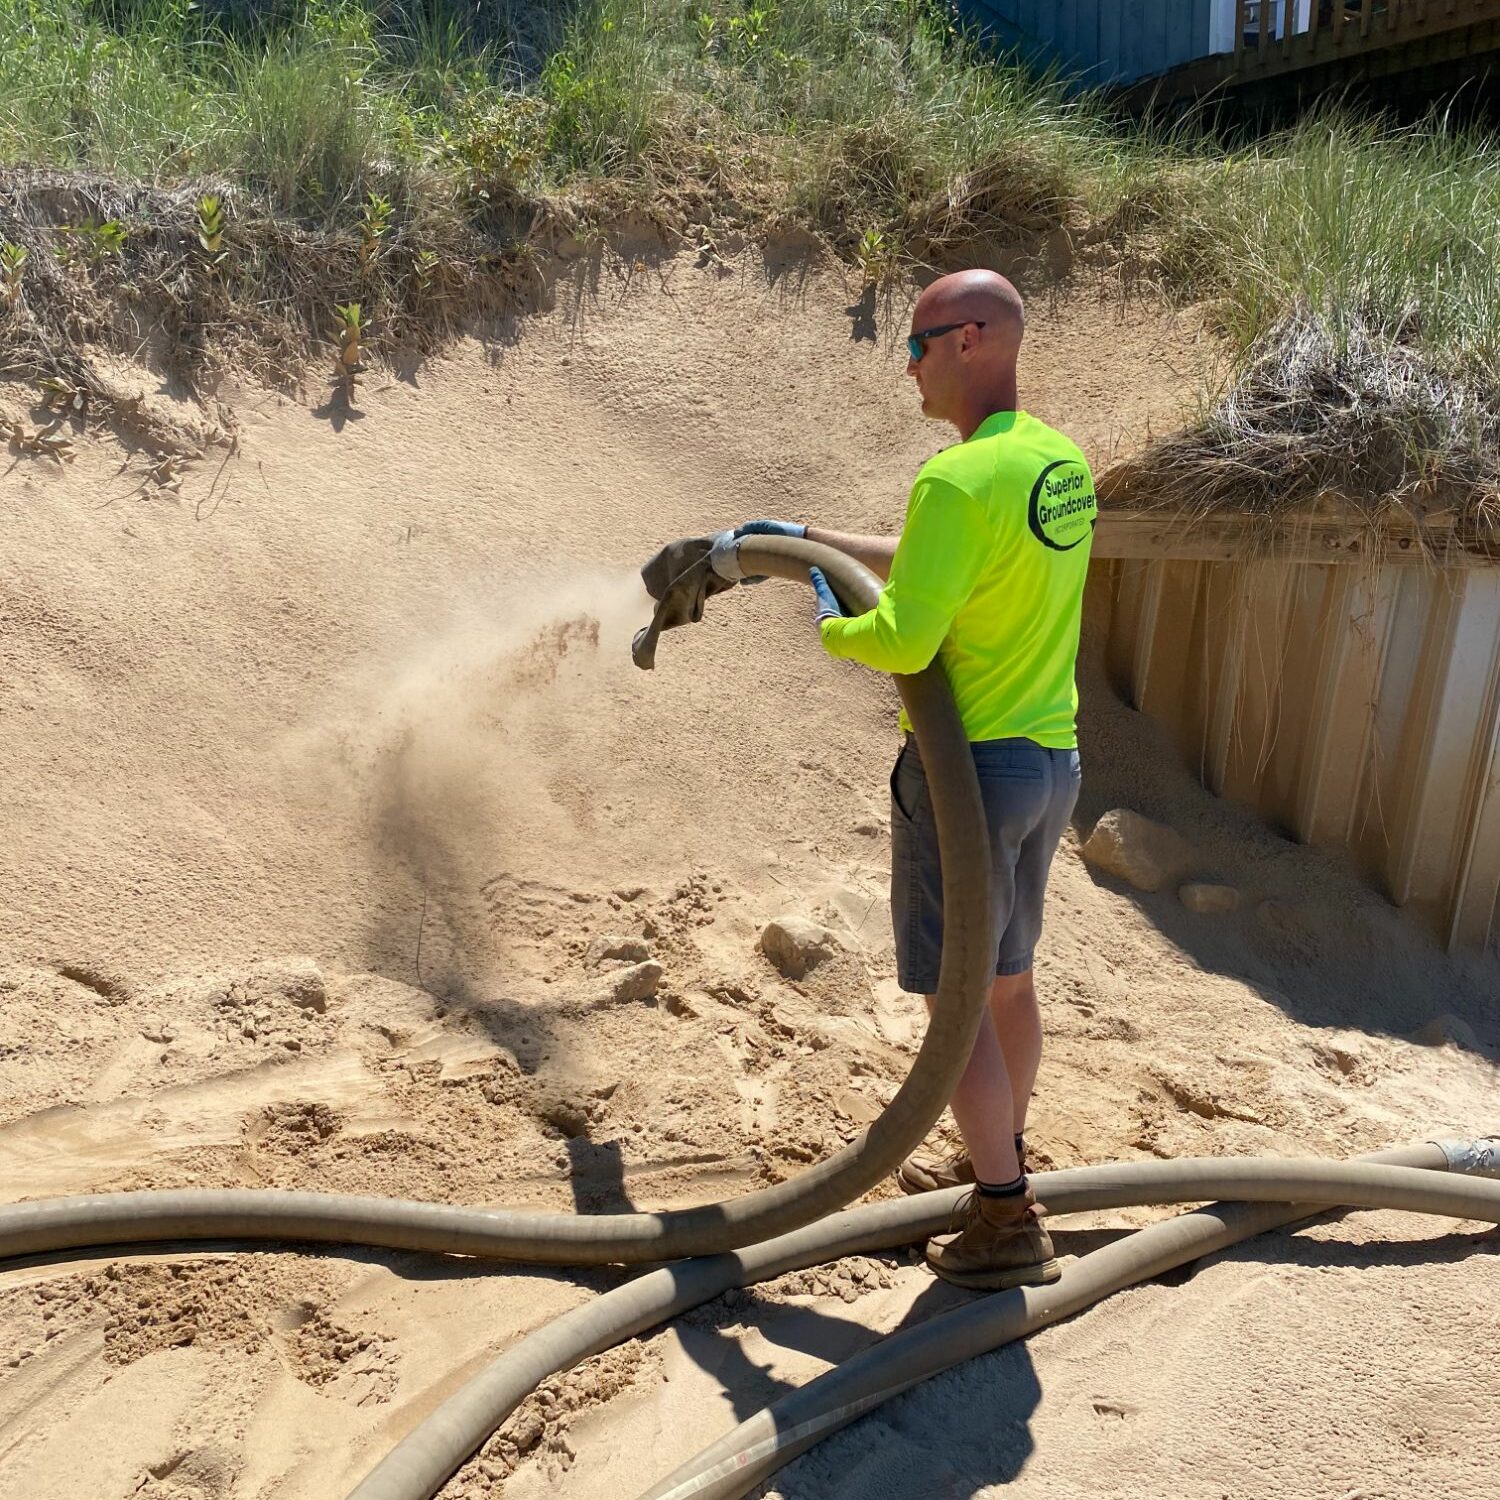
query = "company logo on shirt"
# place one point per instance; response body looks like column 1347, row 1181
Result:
column 1063, row 509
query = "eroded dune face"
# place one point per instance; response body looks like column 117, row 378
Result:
column 345, row 849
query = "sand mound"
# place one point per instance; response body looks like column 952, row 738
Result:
column 347, row 850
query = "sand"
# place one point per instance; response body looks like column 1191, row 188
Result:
column 324, row 781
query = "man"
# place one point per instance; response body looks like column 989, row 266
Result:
column 987, row 575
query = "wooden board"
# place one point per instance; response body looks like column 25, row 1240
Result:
column 1233, row 538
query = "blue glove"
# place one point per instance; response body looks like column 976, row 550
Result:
column 771, row 528
column 827, row 607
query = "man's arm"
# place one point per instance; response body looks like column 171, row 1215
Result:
column 944, row 546
column 875, row 552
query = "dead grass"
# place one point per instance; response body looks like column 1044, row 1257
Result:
column 1342, row 424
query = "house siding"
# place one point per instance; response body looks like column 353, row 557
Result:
column 1098, row 41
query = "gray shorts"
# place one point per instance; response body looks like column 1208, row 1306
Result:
column 1029, row 793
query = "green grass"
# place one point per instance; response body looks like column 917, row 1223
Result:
column 871, row 121
column 1398, row 230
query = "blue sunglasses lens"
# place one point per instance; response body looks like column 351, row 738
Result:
column 915, row 347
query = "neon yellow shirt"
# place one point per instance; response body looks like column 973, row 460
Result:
column 988, row 576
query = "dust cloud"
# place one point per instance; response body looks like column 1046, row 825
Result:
column 472, row 759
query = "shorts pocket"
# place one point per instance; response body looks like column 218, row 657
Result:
column 908, row 788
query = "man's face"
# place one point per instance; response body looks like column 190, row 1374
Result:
column 939, row 371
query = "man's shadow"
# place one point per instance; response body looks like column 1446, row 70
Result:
column 713, row 1338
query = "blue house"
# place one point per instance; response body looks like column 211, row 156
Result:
column 1186, row 47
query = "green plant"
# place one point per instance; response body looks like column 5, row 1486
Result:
column 829, row 113
column 375, row 224
column 350, row 330
column 876, row 257
column 96, row 241
column 63, row 398
column 500, row 139
column 426, row 266
column 748, row 32
column 13, row 260
column 210, row 227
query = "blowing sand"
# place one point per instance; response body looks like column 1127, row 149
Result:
column 328, row 788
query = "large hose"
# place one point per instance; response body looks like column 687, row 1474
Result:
column 771, row 1438
column 420, row 1464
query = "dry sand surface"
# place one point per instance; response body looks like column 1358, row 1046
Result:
column 322, row 782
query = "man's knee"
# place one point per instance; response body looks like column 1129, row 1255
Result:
column 1013, row 989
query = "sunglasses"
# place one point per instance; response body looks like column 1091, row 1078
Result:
column 916, row 343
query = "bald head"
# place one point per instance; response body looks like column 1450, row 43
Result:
column 983, row 296
column 969, row 372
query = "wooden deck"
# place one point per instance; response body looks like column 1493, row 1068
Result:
column 1379, row 37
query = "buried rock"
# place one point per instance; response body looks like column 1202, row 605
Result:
column 1448, row 1030
column 1206, row 898
column 603, row 950
column 638, row 982
column 795, row 945
column 1148, row 855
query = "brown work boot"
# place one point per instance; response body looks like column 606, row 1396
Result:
column 1001, row 1243
column 924, row 1173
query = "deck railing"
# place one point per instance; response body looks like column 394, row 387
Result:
column 1271, row 35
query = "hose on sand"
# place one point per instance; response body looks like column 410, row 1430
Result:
column 967, row 970
column 420, row 1464
column 774, row 1436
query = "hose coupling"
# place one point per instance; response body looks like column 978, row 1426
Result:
column 1479, row 1155
column 724, row 557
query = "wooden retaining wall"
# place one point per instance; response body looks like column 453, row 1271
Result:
column 1357, row 705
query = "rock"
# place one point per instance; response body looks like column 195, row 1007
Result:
column 638, row 982
column 1202, row 897
column 526, row 1430
column 1145, row 854
column 795, row 945
column 1448, row 1030
column 299, row 979
column 157, row 1030
column 631, row 949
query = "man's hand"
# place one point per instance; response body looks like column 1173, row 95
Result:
column 771, row 528
column 826, row 606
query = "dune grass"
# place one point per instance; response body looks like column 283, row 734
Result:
column 874, row 122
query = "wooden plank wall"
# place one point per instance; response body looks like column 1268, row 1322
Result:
column 1355, row 706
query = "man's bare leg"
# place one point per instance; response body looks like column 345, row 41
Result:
column 1001, row 1243
column 1018, row 1024
column 984, row 1106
